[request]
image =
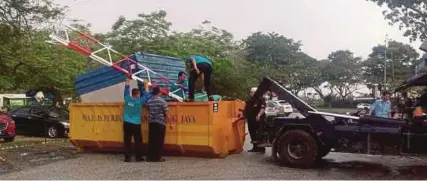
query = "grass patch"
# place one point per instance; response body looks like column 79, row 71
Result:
column 17, row 142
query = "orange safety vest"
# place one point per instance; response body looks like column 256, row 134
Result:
column 418, row 112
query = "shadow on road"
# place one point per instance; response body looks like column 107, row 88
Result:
column 365, row 169
column 362, row 167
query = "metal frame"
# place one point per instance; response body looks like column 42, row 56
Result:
column 84, row 43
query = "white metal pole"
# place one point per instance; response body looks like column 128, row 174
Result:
column 385, row 63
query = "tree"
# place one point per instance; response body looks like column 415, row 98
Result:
column 401, row 59
column 23, row 15
column 206, row 40
column 410, row 15
column 280, row 58
column 18, row 20
column 271, row 49
column 26, row 61
column 319, row 77
column 128, row 36
column 52, row 69
column 301, row 75
column 345, row 72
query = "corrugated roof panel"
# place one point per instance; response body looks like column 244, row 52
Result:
column 107, row 76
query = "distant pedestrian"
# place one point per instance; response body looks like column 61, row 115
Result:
column 132, row 119
column 157, row 116
column 199, row 64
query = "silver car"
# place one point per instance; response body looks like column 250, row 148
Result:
column 278, row 108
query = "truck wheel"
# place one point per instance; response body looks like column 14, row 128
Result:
column 297, row 148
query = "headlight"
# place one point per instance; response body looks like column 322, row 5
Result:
column 66, row 125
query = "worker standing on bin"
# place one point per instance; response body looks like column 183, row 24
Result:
column 199, row 64
column 132, row 118
column 157, row 116
column 254, row 117
column 181, row 85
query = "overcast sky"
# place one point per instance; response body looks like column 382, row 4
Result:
column 323, row 26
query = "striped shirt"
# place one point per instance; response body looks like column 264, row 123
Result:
column 157, row 108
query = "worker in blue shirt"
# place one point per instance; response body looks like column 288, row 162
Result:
column 132, row 118
column 382, row 107
column 199, row 64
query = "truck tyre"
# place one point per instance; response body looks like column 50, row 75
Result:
column 297, row 148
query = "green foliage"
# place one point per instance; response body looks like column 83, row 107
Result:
column 141, row 34
column 280, row 58
column 271, row 49
column 410, row 15
column 27, row 62
column 345, row 72
column 401, row 59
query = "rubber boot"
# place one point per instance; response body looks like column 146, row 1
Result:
column 254, row 148
column 127, row 158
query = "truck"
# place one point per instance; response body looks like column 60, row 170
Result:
column 302, row 140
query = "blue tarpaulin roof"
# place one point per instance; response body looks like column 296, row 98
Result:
column 107, row 76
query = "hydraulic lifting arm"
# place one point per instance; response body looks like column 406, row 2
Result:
column 268, row 84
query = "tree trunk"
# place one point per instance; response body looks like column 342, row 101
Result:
column 58, row 101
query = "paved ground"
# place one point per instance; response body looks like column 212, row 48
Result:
column 242, row 166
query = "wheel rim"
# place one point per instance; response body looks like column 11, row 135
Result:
column 52, row 132
column 297, row 149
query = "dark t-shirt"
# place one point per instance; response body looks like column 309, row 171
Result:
column 261, row 104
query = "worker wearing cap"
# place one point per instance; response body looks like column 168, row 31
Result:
column 199, row 65
column 254, row 118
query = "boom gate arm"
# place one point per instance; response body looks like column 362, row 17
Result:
column 83, row 43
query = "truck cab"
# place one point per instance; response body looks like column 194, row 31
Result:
column 302, row 140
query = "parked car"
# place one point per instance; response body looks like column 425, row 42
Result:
column 278, row 108
column 363, row 106
column 42, row 120
column 7, row 127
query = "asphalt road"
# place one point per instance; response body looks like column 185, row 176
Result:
column 241, row 166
